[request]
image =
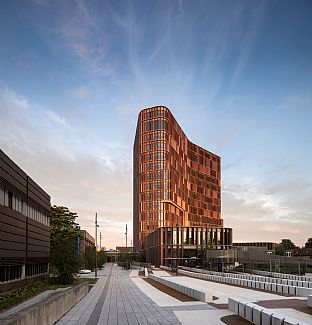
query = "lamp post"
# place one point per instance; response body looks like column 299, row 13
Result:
column 126, row 233
column 100, row 240
column 96, row 226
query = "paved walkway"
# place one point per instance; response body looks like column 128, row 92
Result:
column 116, row 299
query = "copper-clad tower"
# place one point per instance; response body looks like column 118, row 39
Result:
column 175, row 181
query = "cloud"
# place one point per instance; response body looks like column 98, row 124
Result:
column 11, row 100
column 76, row 169
column 82, row 92
column 55, row 117
column 160, row 44
column 269, row 209
column 42, row 3
column 248, row 38
column 81, row 32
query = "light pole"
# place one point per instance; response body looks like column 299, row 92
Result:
column 100, row 240
column 96, row 226
column 126, row 233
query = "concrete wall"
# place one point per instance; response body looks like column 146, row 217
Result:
column 49, row 310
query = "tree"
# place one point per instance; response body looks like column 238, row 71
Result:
column 102, row 258
column 64, row 231
column 280, row 250
column 89, row 258
column 287, row 244
column 283, row 246
column 308, row 244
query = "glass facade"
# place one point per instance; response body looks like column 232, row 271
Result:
column 184, row 246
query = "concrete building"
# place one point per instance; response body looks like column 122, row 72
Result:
column 175, row 182
column 24, row 226
column 268, row 246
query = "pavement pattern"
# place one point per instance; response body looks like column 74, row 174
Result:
column 117, row 300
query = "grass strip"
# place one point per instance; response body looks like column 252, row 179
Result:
column 17, row 296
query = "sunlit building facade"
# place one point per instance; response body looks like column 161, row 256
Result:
column 176, row 183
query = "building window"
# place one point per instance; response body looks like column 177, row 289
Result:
column 10, row 200
column 1, row 196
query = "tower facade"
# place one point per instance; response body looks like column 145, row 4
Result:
column 176, row 183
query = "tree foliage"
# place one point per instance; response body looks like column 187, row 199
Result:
column 287, row 244
column 102, row 258
column 64, row 232
column 89, row 258
column 308, row 244
column 283, row 246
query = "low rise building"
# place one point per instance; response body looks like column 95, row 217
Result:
column 268, row 246
column 24, row 226
column 186, row 246
column 86, row 240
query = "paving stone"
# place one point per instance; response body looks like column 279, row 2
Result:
column 116, row 300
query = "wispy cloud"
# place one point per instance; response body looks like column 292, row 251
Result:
column 269, row 207
column 42, row 3
column 82, row 92
column 10, row 99
column 248, row 38
column 55, row 117
column 75, row 168
column 80, row 30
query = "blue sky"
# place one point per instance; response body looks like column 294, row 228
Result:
column 237, row 75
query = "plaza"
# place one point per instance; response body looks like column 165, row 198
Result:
column 123, row 297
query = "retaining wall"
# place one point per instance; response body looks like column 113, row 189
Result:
column 49, row 310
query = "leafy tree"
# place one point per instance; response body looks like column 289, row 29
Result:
column 89, row 258
column 280, row 250
column 101, row 258
column 308, row 244
column 283, row 246
column 287, row 244
column 64, row 232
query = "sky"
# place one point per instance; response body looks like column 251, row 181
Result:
column 237, row 75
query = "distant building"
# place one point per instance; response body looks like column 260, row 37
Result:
column 302, row 252
column 86, row 240
column 269, row 246
column 24, row 226
column 124, row 249
column 176, row 183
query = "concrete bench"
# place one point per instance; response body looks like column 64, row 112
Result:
column 259, row 315
column 310, row 300
column 192, row 292
column 268, row 286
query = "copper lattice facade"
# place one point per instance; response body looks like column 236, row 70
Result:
column 176, row 183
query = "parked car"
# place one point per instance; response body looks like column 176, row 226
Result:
column 84, row 271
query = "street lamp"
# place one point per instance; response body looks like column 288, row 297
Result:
column 126, row 233
column 96, row 226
